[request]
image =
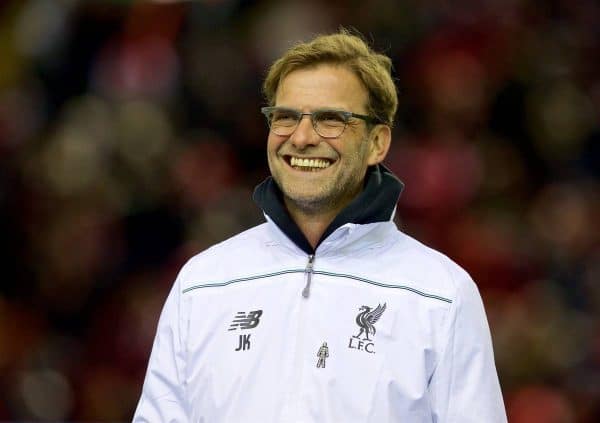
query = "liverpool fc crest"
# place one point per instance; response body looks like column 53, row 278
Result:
column 366, row 320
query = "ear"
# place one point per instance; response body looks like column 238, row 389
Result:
column 379, row 140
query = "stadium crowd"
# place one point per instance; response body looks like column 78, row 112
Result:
column 131, row 139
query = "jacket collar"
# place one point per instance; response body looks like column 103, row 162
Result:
column 376, row 203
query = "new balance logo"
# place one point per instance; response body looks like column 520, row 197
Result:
column 246, row 320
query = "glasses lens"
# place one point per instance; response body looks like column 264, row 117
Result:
column 329, row 123
column 283, row 121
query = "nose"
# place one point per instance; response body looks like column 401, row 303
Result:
column 304, row 135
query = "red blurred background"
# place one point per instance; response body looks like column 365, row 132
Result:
column 131, row 139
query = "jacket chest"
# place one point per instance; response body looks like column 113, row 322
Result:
column 355, row 338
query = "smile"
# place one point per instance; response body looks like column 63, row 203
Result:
column 308, row 164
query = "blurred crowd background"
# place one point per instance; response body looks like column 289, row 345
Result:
column 131, row 139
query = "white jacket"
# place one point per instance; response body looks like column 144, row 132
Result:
column 389, row 331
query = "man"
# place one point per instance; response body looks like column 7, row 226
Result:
column 405, row 327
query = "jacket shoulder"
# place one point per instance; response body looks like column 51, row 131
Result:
column 222, row 258
column 429, row 269
column 254, row 236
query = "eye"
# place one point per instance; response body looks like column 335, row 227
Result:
column 284, row 117
column 331, row 118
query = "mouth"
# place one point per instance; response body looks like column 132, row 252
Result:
column 308, row 164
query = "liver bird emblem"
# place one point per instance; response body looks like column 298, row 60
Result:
column 367, row 318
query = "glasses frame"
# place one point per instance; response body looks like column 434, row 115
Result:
column 346, row 114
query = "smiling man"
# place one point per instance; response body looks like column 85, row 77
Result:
column 320, row 162
column 404, row 327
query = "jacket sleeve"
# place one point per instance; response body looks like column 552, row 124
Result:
column 464, row 386
column 163, row 396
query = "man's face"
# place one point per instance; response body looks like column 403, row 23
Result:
column 339, row 164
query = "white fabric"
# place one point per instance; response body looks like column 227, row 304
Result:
column 430, row 360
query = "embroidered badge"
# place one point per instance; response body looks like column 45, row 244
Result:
column 323, row 353
column 366, row 319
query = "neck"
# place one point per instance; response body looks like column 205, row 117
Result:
column 313, row 218
column 312, row 224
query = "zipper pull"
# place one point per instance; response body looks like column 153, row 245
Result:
column 308, row 272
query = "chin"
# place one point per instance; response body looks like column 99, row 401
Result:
column 308, row 201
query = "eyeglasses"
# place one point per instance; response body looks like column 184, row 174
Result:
column 328, row 123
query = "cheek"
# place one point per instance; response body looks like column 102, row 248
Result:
column 273, row 143
column 353, row 148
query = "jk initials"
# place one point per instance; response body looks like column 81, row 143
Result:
column 244, row 343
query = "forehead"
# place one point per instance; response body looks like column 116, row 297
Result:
column 323, row 85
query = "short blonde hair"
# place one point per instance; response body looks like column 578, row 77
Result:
column 347, row 49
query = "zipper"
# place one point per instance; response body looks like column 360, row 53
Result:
column 292, row 405
column 308, row 275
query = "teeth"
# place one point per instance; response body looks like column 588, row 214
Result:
column 309, row 163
